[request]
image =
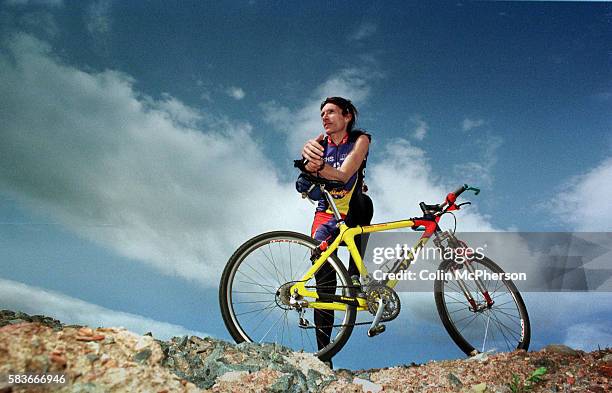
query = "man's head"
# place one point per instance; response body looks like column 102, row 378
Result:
column 338, row 113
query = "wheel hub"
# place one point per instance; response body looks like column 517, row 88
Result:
column 283, row 296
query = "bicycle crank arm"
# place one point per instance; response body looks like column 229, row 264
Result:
column 375, row 328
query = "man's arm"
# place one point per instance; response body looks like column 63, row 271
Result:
column 313, row 152
column 350, row 165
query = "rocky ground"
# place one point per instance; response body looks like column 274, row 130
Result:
column 116, row 360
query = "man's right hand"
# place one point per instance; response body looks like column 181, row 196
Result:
column 313, row 166
column 313, row 151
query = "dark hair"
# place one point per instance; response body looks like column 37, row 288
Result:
column 346, row 106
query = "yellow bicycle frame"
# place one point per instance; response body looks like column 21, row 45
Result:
column 347, row 235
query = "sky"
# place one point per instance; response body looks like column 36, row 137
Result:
column 143, row 142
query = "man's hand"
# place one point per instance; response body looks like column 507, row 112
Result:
column 313, row 151
column 313, row 166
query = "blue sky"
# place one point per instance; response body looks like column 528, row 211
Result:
column 141, row 144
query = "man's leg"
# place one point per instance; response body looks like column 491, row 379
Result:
column 360, row 213
column 325, row 281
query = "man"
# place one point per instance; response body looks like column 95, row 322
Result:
column 339, row 155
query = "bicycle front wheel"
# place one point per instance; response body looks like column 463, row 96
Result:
column 254, row 295
column 477, row 327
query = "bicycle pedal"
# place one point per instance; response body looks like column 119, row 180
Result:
column 303, row 323
column 375, row 331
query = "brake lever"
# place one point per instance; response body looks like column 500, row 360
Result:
column 476, row 190
column 464, row 203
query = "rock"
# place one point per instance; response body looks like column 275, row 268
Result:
column 454, row 380
column 605, row 369
column 481, row 357
column 597, row 389
column 93, row 347
column 232, row 376
column 282, row 384
column 85, row 331
column 92, row 358
column 58, row 359
column 128, row 362
column 305, row 362
column 143, row 342
column 367, row 386
column 96, row 337
column 561, row 349
column 21, row 315
column 502, row 389
column 480, row 388
column 142, row 356
column 550, row 365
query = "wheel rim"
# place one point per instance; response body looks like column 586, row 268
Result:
column 259, row 313
column 502, row 327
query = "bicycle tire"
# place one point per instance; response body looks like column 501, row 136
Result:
column 511, row 322
column 260, row 256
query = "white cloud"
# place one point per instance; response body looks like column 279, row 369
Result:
column 421, row 129
column 176, row 110
column 363, row 31
column 97, row 18
column 403, row 178
column 304, row 123
column 583, row 201
column 469, row 124
column 32, row 300
column 235, row 92
column 480, row 171
column 132, row 173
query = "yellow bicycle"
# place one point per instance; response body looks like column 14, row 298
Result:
column 268, row 290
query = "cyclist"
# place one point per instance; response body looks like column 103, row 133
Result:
column 340, row 154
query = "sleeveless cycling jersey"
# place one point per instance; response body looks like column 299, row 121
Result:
column 335, row 155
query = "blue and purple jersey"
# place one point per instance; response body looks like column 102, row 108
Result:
column 335, row 155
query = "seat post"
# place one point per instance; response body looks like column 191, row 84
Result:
column 332, row 204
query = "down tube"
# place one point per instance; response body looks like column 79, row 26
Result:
column 405, row 264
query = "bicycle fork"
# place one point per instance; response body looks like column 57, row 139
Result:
column 455, row 243
column 466, row 292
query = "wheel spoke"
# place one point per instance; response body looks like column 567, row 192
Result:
column 259, row 309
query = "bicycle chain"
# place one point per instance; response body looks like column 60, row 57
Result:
column 327, row 326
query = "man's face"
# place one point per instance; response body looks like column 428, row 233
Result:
column 333, row 119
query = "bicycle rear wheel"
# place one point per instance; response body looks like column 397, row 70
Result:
column 504, row 326
column 254, row 292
